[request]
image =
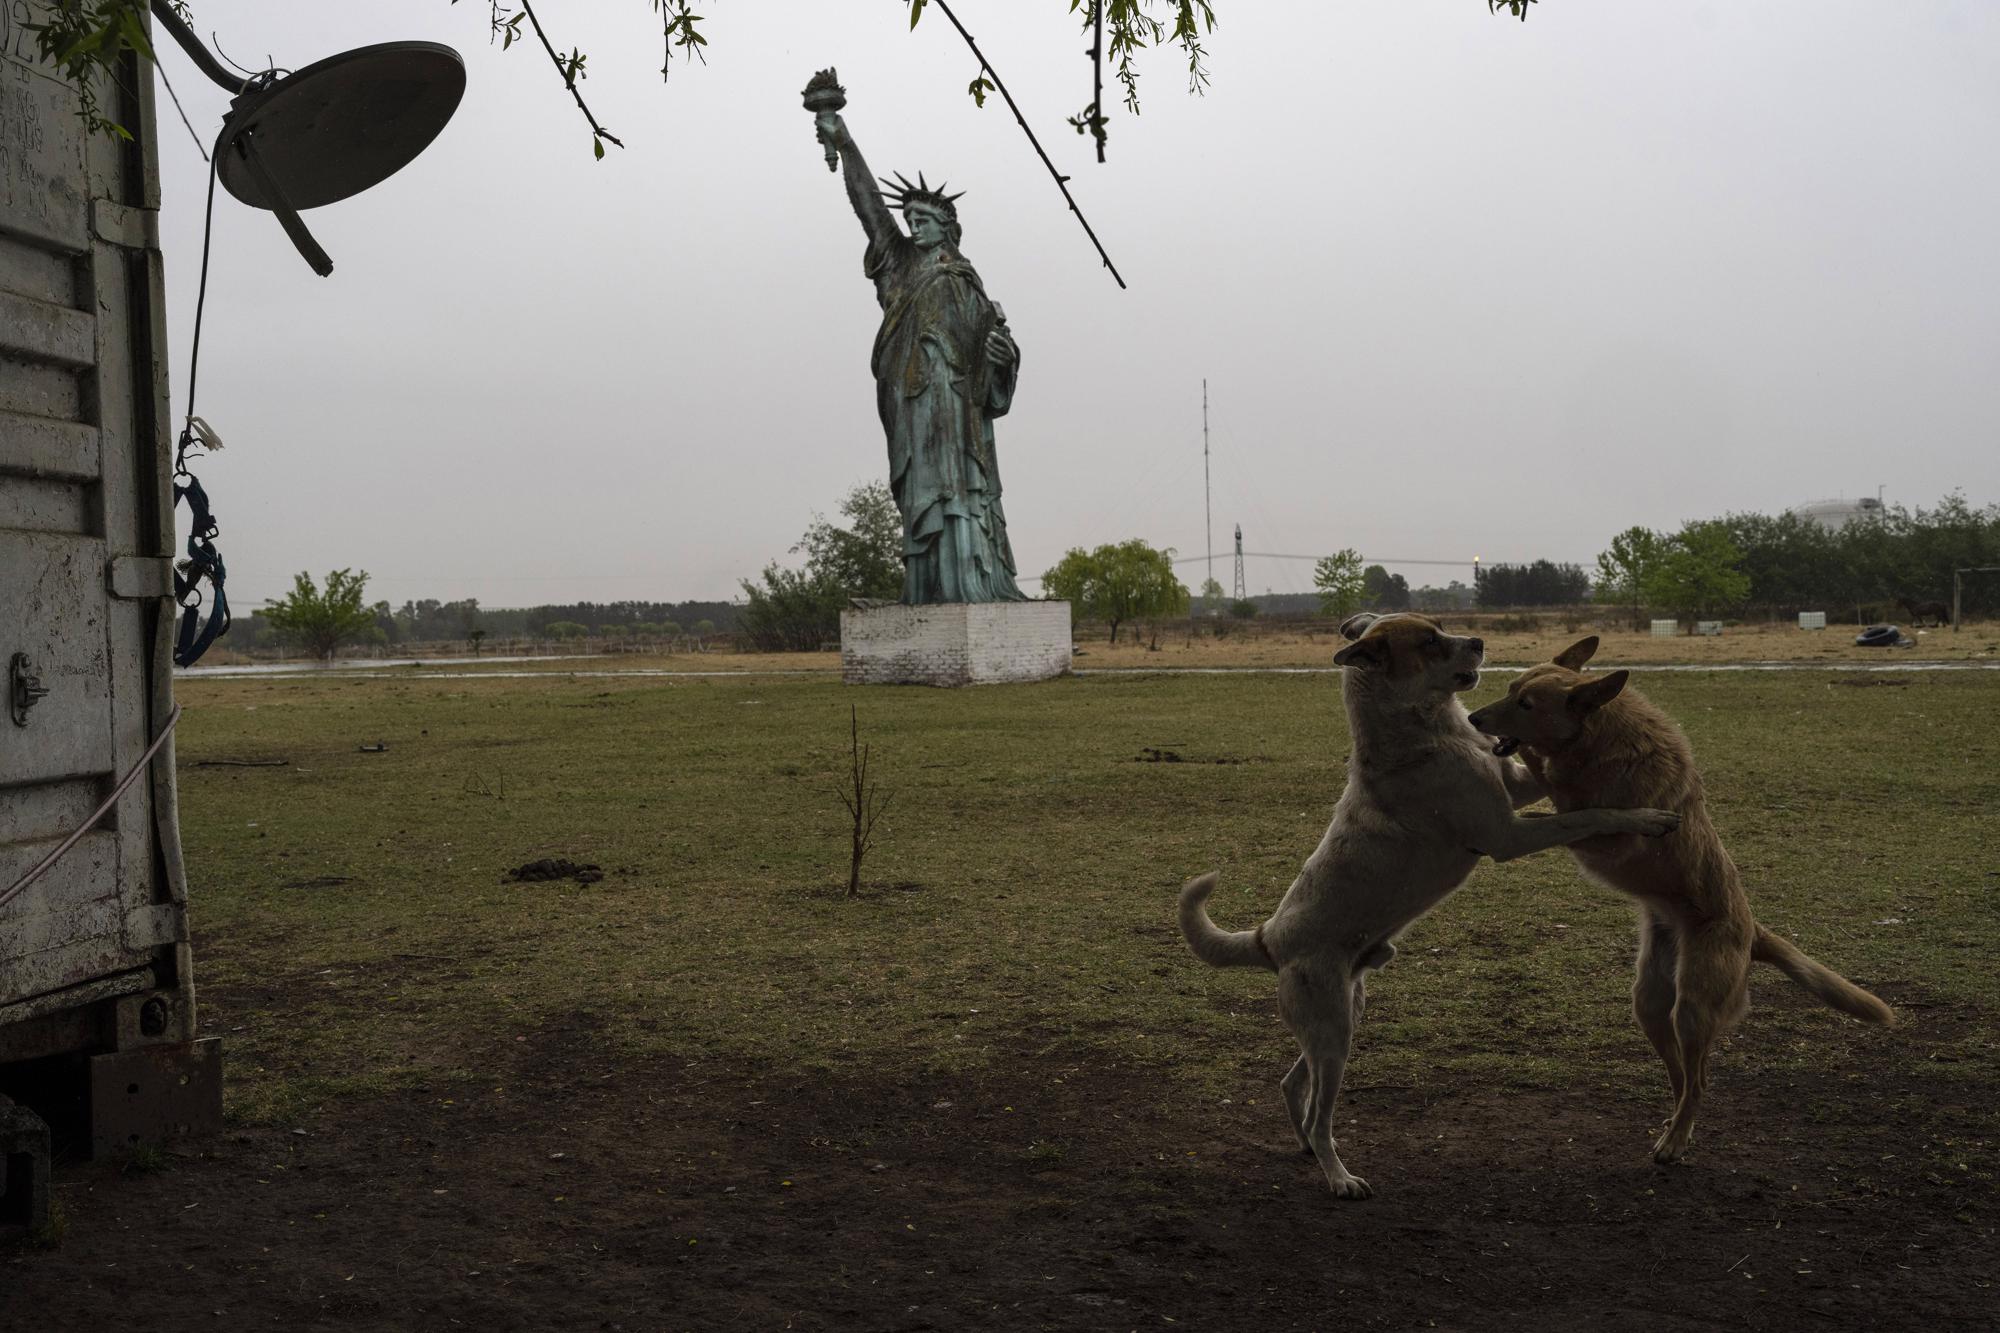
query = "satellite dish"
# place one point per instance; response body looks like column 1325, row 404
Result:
column 317, row 135
column 339, row 126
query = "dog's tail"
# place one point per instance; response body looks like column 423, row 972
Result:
column 1832, row 989
column 1213, row 945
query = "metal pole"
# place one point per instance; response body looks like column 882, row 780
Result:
column 1957, row 579
column 163, row 14
column 1207, row 500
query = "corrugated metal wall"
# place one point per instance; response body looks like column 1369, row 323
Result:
column 86, row 529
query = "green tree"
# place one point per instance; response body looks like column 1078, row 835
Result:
column 1339, row 580
column 1383, row 591
column 320, row 620
column 565, row 629
column 1625, row 571
column 704, row 630
column 1454, row 596
column 1791, row 560
column 1538, row 583
column 1697, row 572
column 791, row 612
column 1243, row 609
column 1118, row 582
column 865, row 558
column 798, row 610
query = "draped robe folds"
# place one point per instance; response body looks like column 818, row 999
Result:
column 937, row 392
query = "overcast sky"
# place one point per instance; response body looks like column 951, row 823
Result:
column 1459, row 286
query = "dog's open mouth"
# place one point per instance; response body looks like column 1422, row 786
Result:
column 1506, row 745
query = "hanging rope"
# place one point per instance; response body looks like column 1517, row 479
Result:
column 20, row 885
column 203, row 561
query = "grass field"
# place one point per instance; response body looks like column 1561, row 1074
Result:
column 359, row 947
column 1037, row 850
column 1514, row 639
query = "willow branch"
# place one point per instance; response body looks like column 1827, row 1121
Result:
column 569, row 80
column 1097, row 76
column 1062, row 181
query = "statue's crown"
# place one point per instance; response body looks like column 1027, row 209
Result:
column 902, row 194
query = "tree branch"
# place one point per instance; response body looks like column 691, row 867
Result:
column 1062, row 181
column 1097, row 78
column 569, row 70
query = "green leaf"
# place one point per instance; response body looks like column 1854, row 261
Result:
column 916, row 11
column 597, row 145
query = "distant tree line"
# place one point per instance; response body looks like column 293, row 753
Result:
column 1540, row 583
column 1738, row 564
column 1453, row 596
column 308, row 615
column 428, row 620
column 1776, row 565
column 1345, row 586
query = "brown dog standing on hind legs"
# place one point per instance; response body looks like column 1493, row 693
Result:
column 1590, row 741
column 1425, row 799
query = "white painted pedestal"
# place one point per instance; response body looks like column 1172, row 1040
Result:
column 955, row 643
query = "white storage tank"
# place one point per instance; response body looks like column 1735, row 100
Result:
column 1833, row 515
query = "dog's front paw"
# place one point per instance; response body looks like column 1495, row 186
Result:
column 1671, row 1145
column 1350, row 1187
column 1652, row 823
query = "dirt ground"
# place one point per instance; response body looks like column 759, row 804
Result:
column 577, row 1187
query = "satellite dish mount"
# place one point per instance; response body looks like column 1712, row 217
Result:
column 303, row 139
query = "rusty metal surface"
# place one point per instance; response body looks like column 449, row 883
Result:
column 86, row 530
column 44, row 191
column 154, row 1094
column 103, row 984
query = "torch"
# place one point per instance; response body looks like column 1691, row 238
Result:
column 824, row 96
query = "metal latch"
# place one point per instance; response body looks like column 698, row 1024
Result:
column 24, row 688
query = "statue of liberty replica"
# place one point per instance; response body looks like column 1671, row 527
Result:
column 944, row 365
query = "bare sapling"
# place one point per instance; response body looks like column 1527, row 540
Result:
column 865, row 801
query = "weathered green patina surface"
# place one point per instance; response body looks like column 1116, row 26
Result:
column 945, row 365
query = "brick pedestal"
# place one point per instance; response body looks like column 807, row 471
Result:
column 955, row 643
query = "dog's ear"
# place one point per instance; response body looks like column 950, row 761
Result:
column 1596, row 692
column 1577, row 654
column 1357, row 625
column 1363, row 652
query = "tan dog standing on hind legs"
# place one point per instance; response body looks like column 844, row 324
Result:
column 1426, row 797
column 1591, row 741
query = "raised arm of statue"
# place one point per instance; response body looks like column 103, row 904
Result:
column 862, row 192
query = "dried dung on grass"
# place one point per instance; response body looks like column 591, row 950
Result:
column 551, row 868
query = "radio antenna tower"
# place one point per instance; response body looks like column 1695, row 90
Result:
column 1207, row 500
column 1240, row 595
